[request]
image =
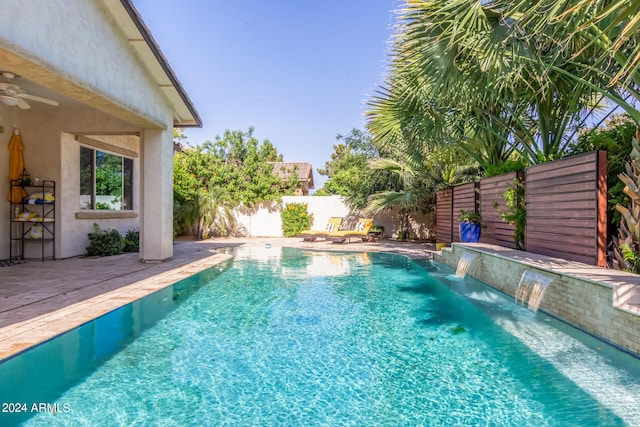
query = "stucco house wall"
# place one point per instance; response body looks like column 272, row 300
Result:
column 98, row 60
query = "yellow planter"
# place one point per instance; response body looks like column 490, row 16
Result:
column 439, row 246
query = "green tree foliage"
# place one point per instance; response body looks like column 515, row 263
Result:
column 108, row 174
column 215, row 212
column 348, row 171
column 417, row 175
column 511, row 83
column 211, row 179
column 599, row 40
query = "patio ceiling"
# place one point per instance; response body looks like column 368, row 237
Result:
column 40, row 81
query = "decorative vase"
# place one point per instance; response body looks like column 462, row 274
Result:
column 469, row 232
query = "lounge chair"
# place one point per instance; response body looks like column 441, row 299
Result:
column 361, row 231
column 333, row 224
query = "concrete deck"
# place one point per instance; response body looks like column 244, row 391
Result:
column 40, row 300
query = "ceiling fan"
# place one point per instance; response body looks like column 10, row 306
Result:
column 12, row 95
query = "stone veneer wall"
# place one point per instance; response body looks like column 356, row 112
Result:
column 582, row 302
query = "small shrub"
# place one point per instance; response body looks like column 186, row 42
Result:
column 469, row 216
column 131, row 242
column 378, row 229
column 104, row 242
column 295, row 219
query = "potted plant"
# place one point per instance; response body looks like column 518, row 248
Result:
column 377, row 230
column 469, row 226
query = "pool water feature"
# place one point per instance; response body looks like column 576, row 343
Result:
column 290, row 337
column 531, row 289
column 464, row 263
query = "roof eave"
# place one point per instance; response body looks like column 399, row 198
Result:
column 185, row 113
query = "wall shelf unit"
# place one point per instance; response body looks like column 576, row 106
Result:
column 33, row 221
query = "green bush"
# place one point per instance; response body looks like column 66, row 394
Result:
column 379, row 229
column 505, row 167
column 131, row 242
column 295, row 219
column 104, row 242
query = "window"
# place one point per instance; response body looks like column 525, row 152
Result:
column 106, row 180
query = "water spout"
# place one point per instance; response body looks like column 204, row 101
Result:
column 464, row 263
column 531, row 289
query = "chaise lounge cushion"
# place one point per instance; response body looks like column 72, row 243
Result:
column 332, row 226
column 360, row 230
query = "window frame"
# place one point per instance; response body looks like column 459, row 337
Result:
column 127, row 186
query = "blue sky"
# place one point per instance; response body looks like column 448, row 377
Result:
column 299, row 71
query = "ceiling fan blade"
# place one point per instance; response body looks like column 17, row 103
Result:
column 38, row 99
column 22, row 103
column 9, row 88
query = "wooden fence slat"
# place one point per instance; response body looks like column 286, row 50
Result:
column 559, row 205
column 577, row 248
column 571, row 173
column 557, row 213
column 581, row 159
column 552, row 197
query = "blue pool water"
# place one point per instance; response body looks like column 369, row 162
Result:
column 283, row 337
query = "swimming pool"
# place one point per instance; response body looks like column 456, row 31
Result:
column 291, row 337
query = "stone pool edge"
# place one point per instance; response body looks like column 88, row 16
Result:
column 21, row 336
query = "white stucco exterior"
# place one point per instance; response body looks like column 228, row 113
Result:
column 94, row 57
column 265, row 219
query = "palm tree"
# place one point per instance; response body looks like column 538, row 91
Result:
column 465, row 58
column 215, row 212
column 402, row 111
column 418, row 175
column 602, row 34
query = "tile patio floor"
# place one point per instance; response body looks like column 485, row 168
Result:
column 40, row 300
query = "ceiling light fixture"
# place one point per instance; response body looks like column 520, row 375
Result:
column 8, row 100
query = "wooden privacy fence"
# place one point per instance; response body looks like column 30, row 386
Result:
column 495, row 231
column 449, row 203
column 465, row 198
column 567, row 208
column 566, row 203
column 444, row 216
